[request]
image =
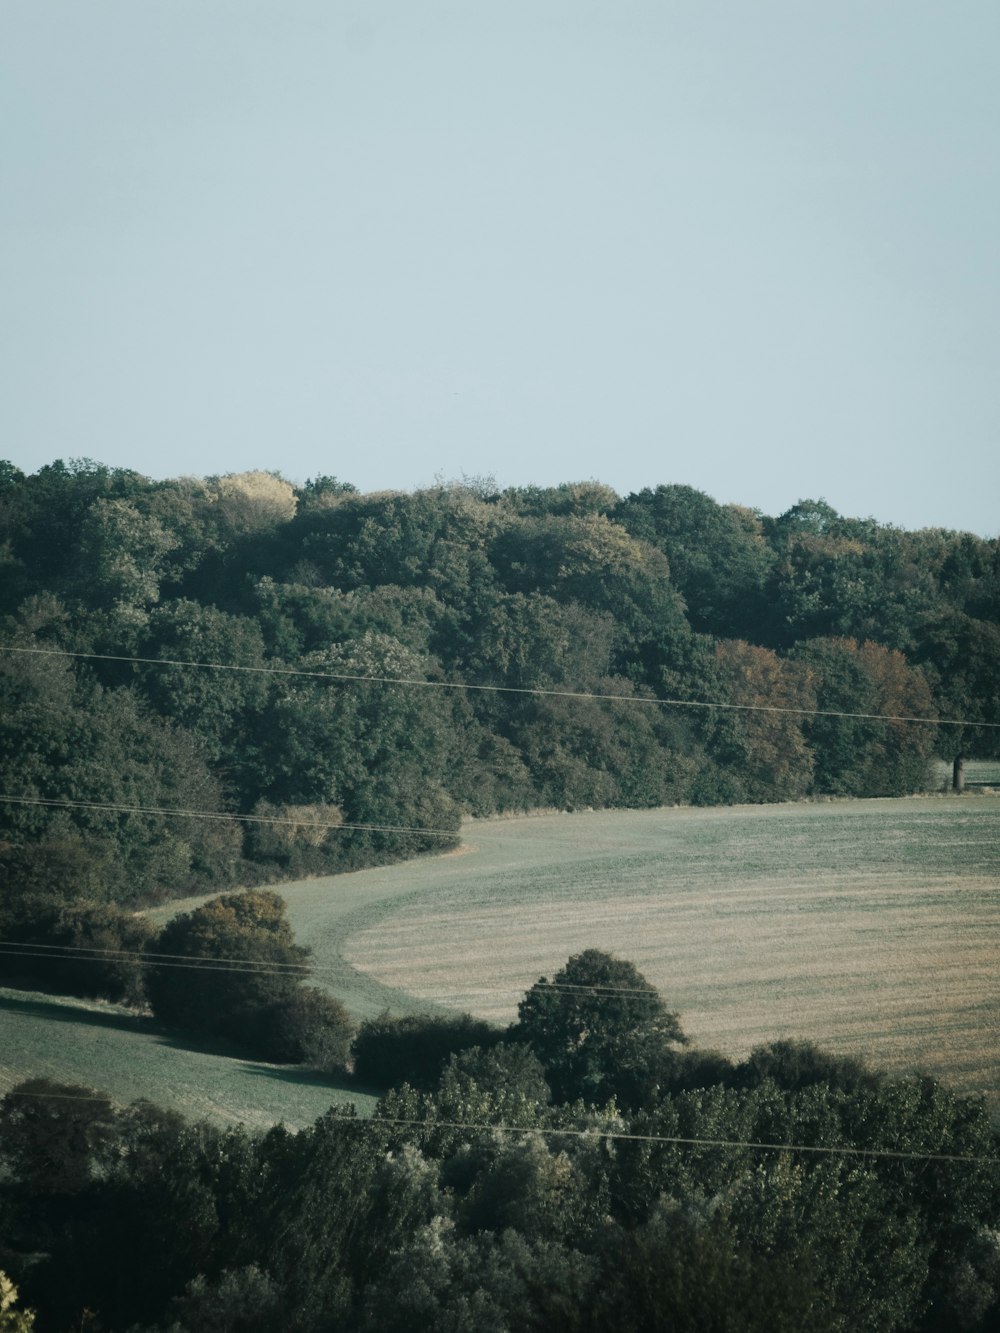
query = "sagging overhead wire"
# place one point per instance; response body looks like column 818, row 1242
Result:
column 221, row 815
column 419, row 682
column 81, row 953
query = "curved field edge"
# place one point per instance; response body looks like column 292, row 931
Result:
column 869, row 926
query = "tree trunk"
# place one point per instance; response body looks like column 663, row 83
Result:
column 958, row 774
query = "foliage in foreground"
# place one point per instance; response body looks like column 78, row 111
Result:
column 484, row 1201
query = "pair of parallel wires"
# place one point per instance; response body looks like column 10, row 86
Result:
column 417, row 682
column 329, row 826
column 79, row 954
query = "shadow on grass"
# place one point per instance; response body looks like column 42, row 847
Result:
column 66, row 1009
column 313, row 1078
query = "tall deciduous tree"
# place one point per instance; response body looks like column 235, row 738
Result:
column 595, row 1025
column 858, row 755
column 960, row 657
column 378, row 750
column 758, row 742
column 719, row 558
column 222, row 707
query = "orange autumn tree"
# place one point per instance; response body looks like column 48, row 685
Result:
column 758, row 740
column 866, row 755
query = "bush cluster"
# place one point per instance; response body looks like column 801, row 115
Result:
column 554, row 1215
column 415, row 1048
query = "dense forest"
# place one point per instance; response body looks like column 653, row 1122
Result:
column 582, row 1170
column 321, row 600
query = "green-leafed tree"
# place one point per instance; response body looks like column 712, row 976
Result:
column 414, row 1048
column 570, row 499
column 221, row 707
column 123, row 556
column 487, row 1282
column 685, row 1270
column 859, row 755
column 597, row 563
column 435, row 538
column 378, row 750
column 719, row 558
column 243, row 960
column 596, row 1027
column 959, row 656
column 55, row 1138
column 66, row 739
column 307, row 1027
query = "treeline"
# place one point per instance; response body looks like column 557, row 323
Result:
column 582, row 1170
column 663, row 594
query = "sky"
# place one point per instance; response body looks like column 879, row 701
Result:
column 752, row 248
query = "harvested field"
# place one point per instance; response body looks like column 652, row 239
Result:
column 871, row 927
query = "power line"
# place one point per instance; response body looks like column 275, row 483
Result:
column 221, row 815
column 99, row 954
column 149, row 956
column 687, row 1142
column 253, row 970
column 82, row 953
column 498, row 689
column 69, row 953
column 676, row 1140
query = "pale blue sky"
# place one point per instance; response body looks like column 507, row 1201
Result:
column 747, row 246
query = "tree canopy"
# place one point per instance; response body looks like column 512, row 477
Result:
column 486, row 1199
column 248, row 961
column 338, row 678
column 596, row 1027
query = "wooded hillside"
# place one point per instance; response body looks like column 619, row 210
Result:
column 662, row 594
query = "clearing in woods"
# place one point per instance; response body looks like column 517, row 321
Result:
column 871, row 927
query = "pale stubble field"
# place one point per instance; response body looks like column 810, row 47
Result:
column 870, row 927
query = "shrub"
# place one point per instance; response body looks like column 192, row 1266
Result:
column 415, row 1048
column 298, row 844
column 246, row 961
column 104, row 929
column 309, row 1027
column 94, row 949
column 794, row 1065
